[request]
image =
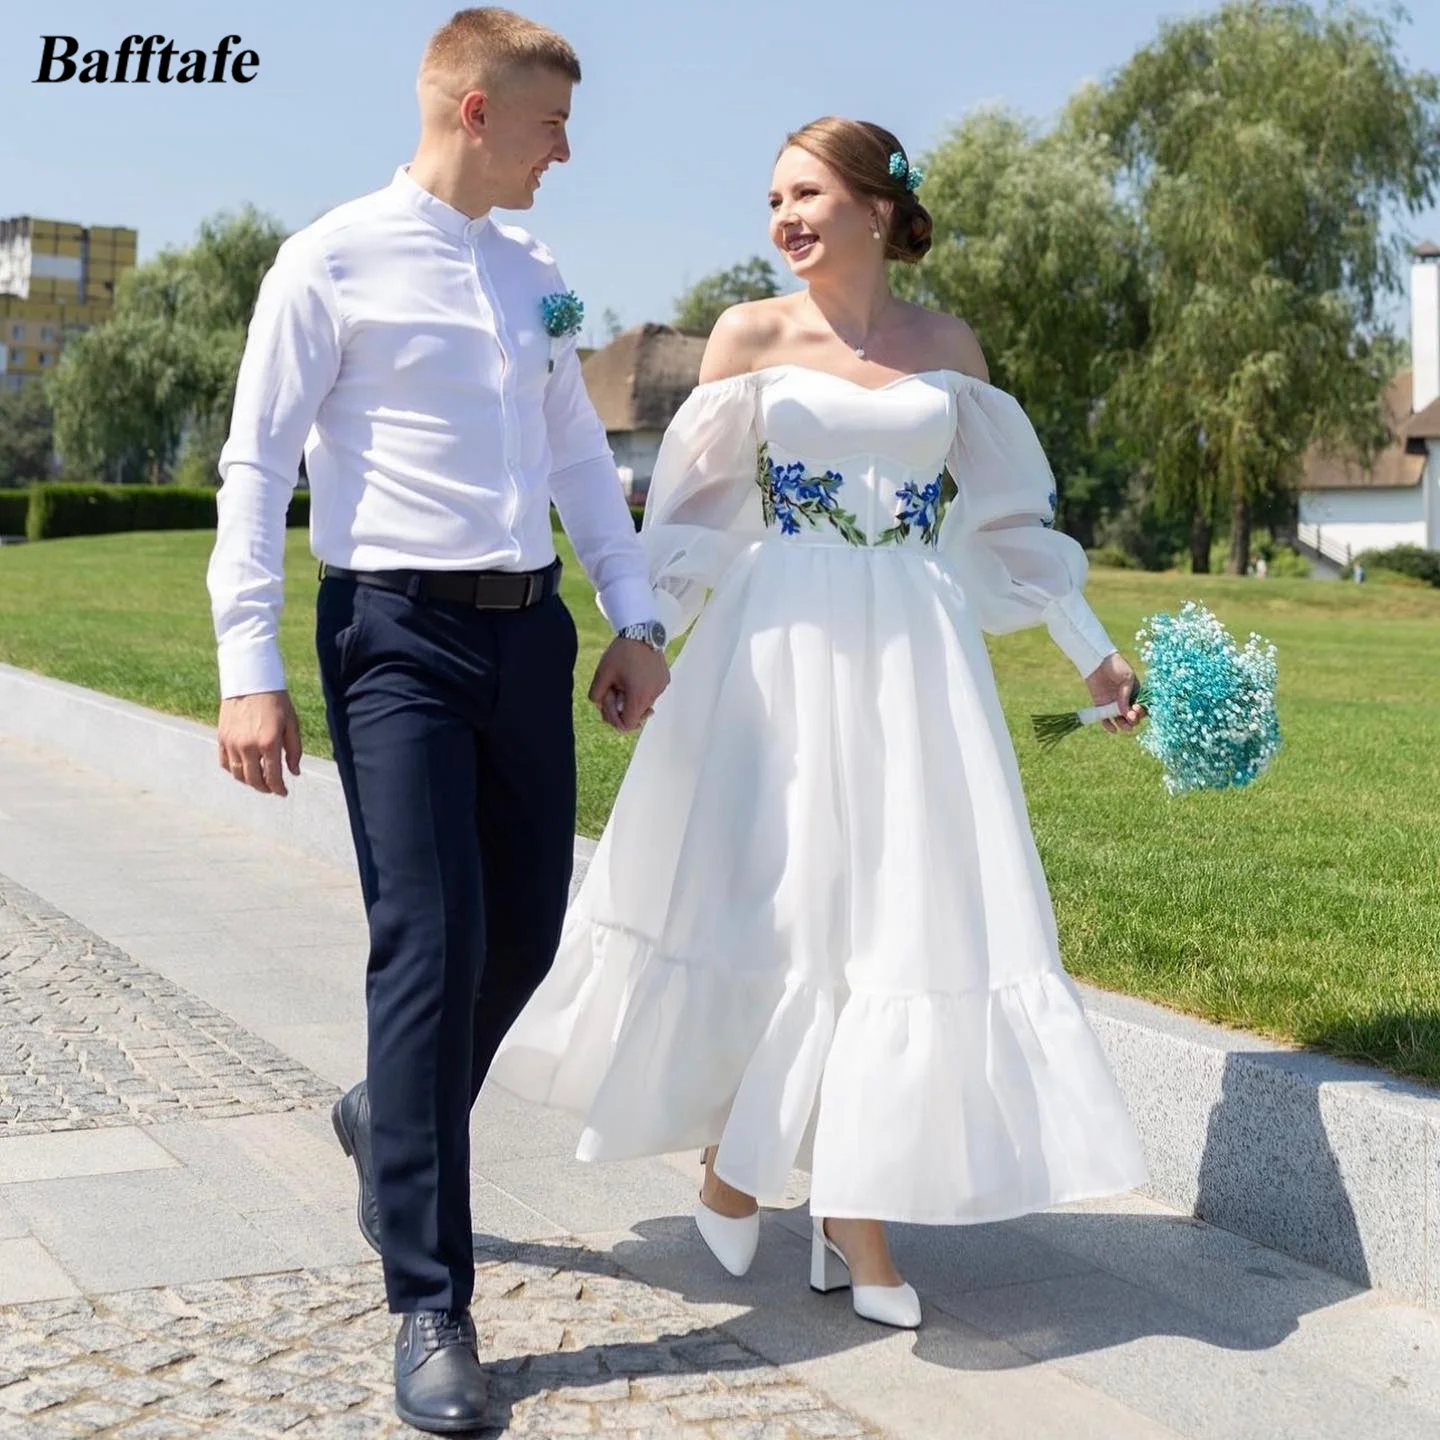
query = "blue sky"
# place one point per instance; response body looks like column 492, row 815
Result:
column 675, row 125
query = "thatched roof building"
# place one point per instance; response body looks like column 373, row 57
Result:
column 641, row 378
column 637, row 383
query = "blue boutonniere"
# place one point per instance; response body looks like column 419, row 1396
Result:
column 562, row 314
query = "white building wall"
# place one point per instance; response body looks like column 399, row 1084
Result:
column 15, row 266
column 635, row 452
column 1372, row 519
column 1425, row 332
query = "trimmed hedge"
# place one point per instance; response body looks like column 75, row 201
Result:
column 51, row 510
column 55, row 509
column 1285, row 564
column 58, row 509
column 14, row 505
column 1411, row 560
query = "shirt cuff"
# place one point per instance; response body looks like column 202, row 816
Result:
column 1077, row 630
column 628, row 602
column 250, row 668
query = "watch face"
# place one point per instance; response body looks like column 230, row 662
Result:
column 648, row 632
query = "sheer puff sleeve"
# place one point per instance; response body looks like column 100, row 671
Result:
column 702, row 508
column 1015, row 570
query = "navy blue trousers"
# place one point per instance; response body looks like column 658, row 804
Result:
column 454, row 740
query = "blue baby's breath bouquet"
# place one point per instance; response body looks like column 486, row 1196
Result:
column 1211, row 703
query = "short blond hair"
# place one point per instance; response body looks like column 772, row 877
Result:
column 487, row 42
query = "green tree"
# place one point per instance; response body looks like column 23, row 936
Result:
column 1266, row 146
column 122, row 394
column 158, row 378
column 27, row 435
column 1034, row 249
column 230, row 259
column 702, row 305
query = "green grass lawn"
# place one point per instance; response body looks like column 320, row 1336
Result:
column 130, row 615
column 1307, row 907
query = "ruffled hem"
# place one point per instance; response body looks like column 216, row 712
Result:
column 928, row 1108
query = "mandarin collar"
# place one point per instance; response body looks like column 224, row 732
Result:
column 445, row 218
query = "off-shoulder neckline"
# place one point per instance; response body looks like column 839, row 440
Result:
column 960, row 375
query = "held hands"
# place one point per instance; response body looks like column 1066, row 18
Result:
column 1114, row 681
column 253, row 731
column 629, row 679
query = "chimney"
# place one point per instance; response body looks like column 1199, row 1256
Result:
column 1425, row 325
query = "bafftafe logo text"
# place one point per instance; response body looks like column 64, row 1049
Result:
column 135, row 56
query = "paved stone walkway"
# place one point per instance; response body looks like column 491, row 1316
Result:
column 172, row 1267
column 88, row 1038
column 573, row 1348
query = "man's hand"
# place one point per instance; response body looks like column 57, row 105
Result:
column 629, row 679
column 1114, row 681
column 253, row 730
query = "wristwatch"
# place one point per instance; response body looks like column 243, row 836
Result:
column 647, row 632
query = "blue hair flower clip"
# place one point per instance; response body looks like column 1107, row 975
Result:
column 562, row 313
column 901, row 169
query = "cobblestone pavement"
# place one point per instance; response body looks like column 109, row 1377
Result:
column 574, row 1348
column 89, row 1038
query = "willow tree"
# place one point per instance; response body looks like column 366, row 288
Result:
column 1036, row 249
column 1266, row 147
column 129, row 392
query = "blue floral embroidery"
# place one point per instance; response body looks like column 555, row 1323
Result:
column 1048, row 521
column 788, row 495
column 918, row 509
column 791, row 498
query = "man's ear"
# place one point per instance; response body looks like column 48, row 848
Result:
column 474, row 111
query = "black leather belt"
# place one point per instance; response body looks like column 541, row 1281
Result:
column 482, row 589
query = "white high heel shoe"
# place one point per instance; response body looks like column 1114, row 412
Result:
column 896, row 1305
column 732, row 1241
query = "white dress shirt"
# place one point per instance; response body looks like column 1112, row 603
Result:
column 398, row 344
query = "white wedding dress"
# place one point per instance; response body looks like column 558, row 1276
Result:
column 816, row 928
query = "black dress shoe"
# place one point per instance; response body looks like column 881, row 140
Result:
column 439, row 1385
column 351, row 1119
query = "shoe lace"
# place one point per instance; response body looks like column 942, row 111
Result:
column 441, row 1327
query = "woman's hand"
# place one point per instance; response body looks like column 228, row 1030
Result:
column 1113, row 681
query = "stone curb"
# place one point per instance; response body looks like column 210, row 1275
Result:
column 1332, row 1163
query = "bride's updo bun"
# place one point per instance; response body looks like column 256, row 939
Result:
column 873, row 165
